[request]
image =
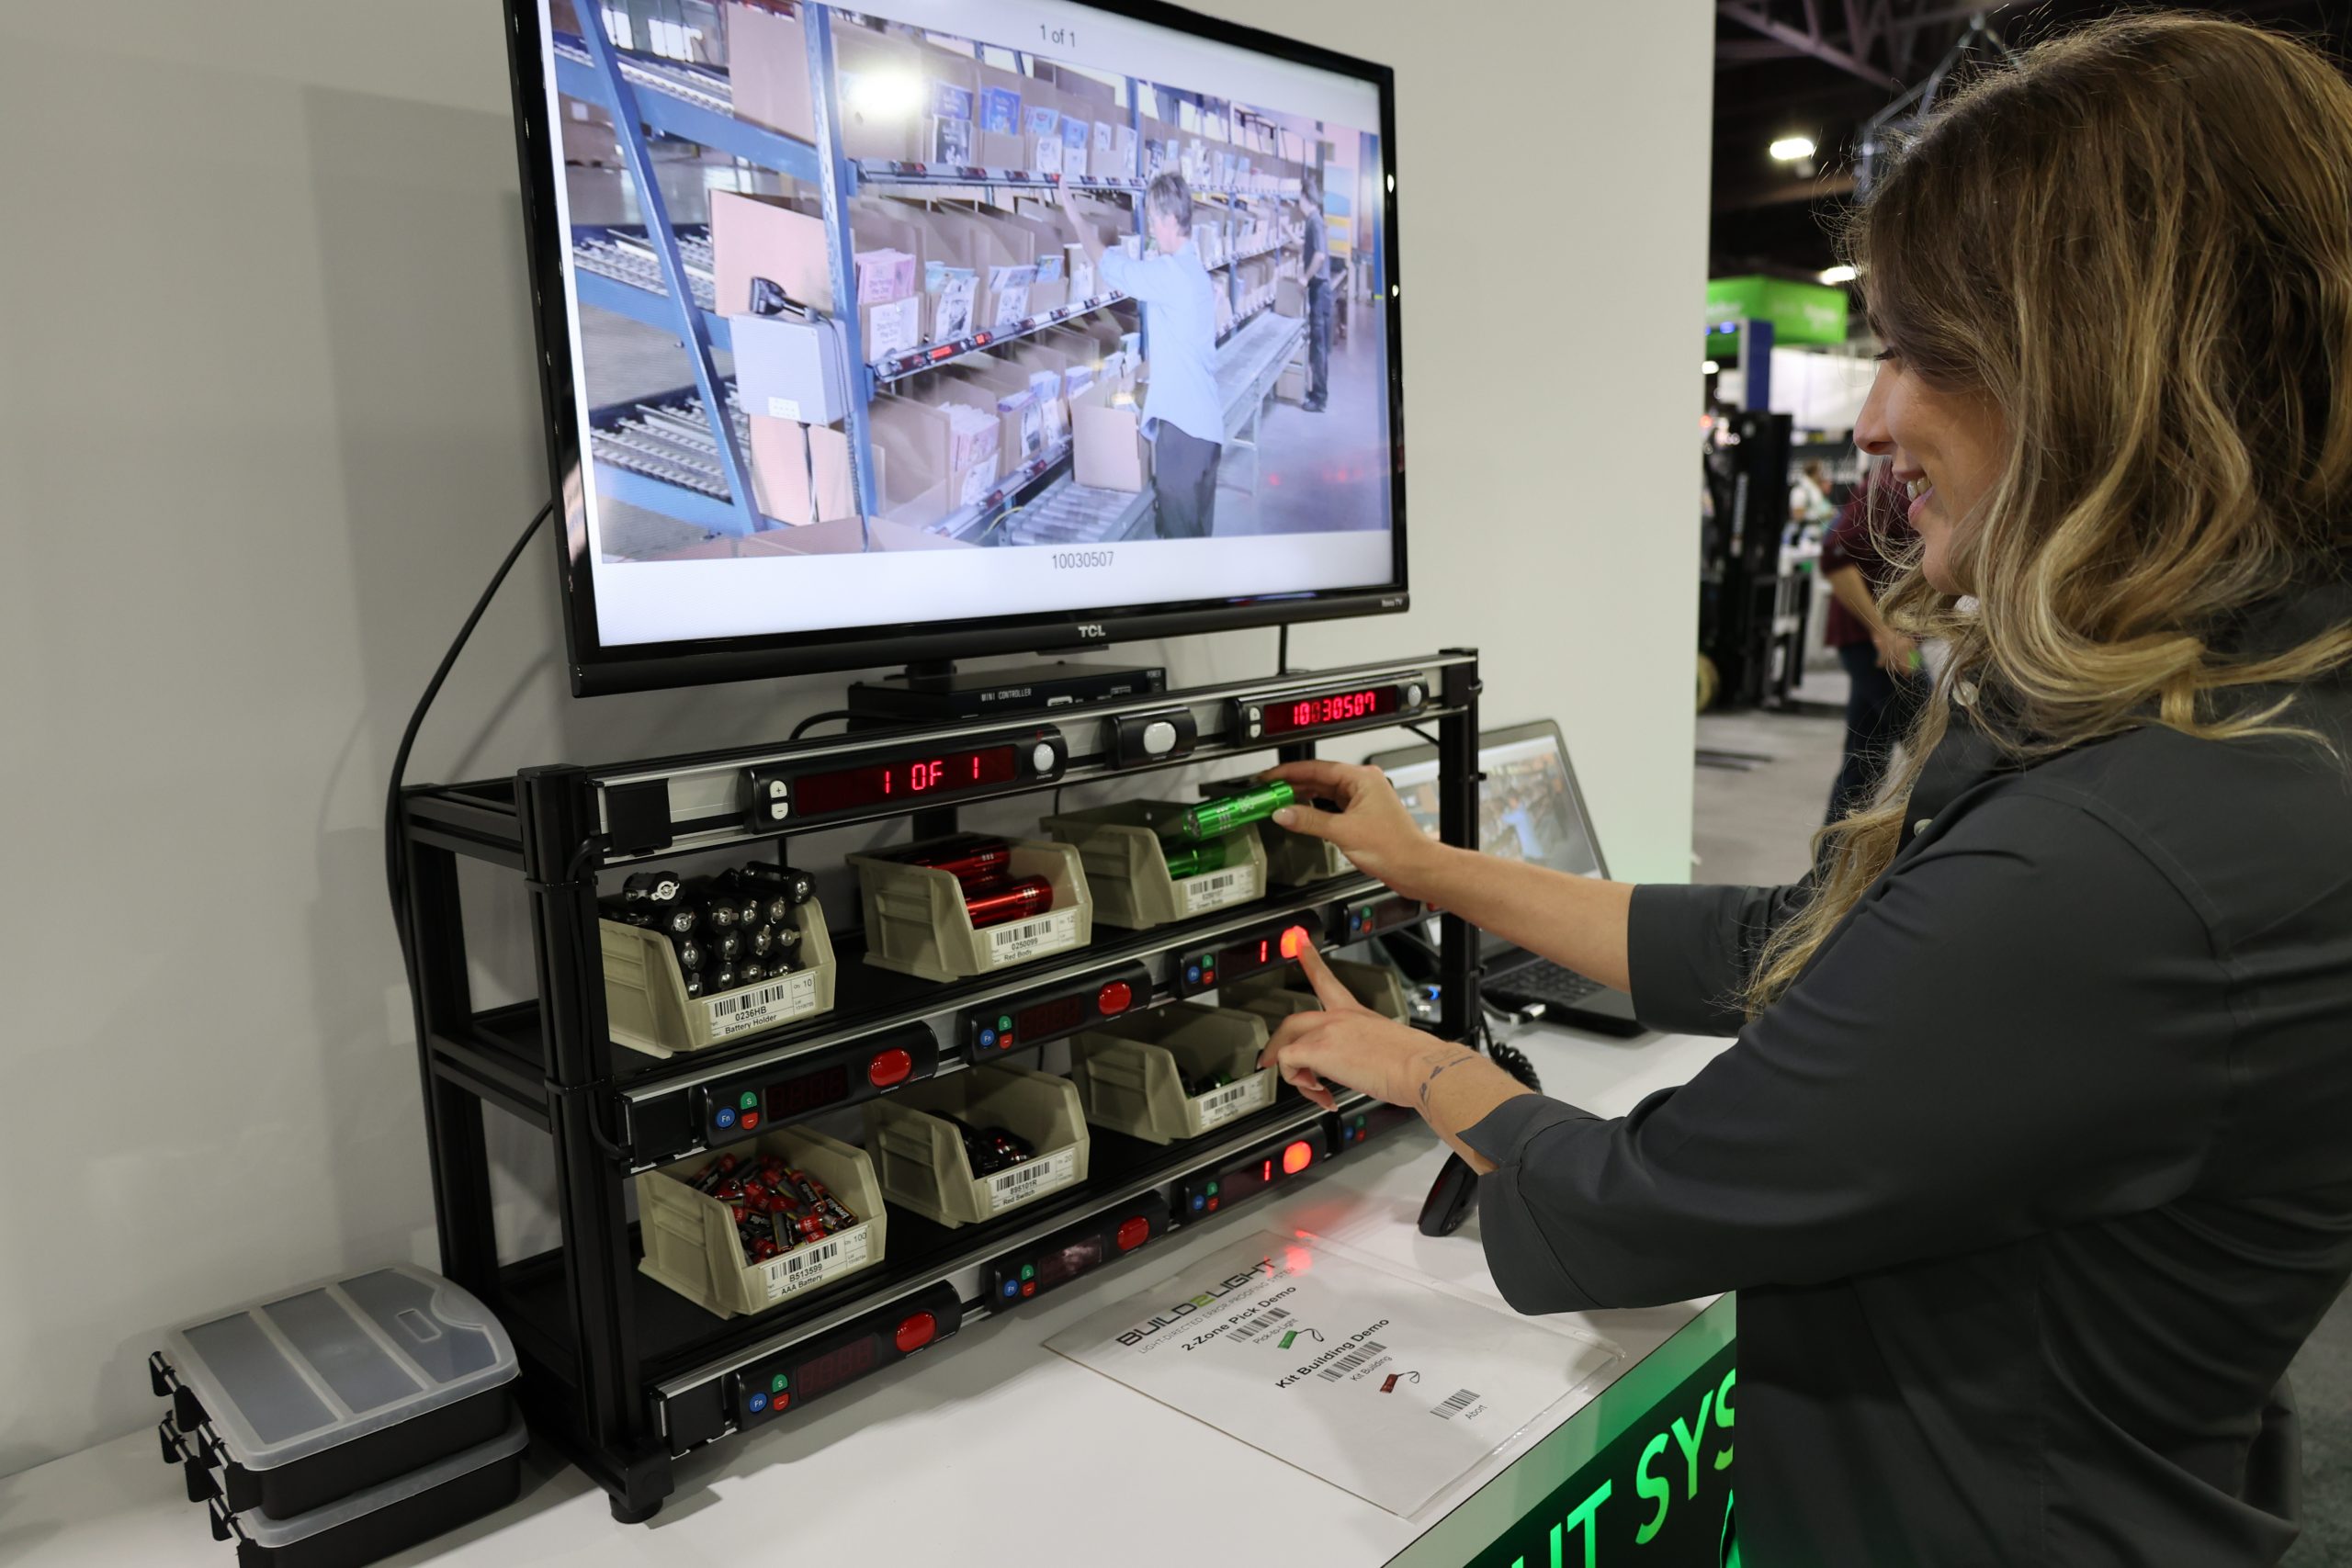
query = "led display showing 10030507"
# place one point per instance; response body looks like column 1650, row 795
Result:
column 908, row 778
column 1330, row 707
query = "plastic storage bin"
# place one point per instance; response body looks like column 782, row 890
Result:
column 370, row 1526
column 647, row 1008
column 920, row 1158
column 691, row 1245
column 916, row 921
column 1277, row 995
column 1126, row 863
column 1130, row 1073
column 304, row 1399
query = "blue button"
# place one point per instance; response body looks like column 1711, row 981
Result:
column 1012, row 1287
column 759, row 1402
column 988, row 1038
column 1192, row 974
column 725, row 1117
column 1199, row 1202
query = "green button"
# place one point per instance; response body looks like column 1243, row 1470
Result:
column 1360, row 1124
column 1212, row 1188
column 1005, row 1022
column 779, row 1384
column 1028, row 1271
column 751, row 1100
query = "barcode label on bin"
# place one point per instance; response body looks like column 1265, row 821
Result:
column 1353, row 1360
column 807, row 1266
column 758, row 1007
column 1026, row 939
column 1235, row 884
column 1270, row 1318
column 1454, row 1407
column 1030, row 1178
column 1220, row 1105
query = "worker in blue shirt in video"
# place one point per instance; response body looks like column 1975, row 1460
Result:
column 1182, row 414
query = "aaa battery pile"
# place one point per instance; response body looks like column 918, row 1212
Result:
column 775, row 1207
column 991, row 1149
column 735, row 928
column 992, row 895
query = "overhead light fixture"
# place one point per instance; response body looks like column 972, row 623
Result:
column 1791, row 149
column 1841, row 273
column 1710, row 368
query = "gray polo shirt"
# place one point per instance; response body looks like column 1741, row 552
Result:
column 2032, row 1184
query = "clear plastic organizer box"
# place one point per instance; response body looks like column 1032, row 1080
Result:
column 917, row 922
column 1126, row 863
column 691, row 1243
column 921, row 1159
column 1130, row 1073
column 647, row 1008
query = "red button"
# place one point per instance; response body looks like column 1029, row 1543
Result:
column 1116, row 997
column 779, row 1402
column 1029, row 1287
column 1212, row 1205
column 916, row 1332
column 1208, row 976
column 891, row 1066
column 1294, row 939
column 1134, row 1232
column 751, row 1119
column 1297, row 1157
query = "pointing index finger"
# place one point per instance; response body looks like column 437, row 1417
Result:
column 1334, row 996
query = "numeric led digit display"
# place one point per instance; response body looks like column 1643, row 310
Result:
column 1330, row 707
column 904, row 779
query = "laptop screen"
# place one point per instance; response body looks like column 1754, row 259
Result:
column 1527, row 808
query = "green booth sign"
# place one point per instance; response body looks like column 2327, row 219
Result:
column 1799, row 313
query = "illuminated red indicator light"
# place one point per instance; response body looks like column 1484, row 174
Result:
column 1134, row 1232
column 1293, row 941
column 915, row 1332
column 751, row 1119
column 1297, row 1157
column 891, row 1066
column 1029, row 1287
column 1116, row 997
column 779, row 1402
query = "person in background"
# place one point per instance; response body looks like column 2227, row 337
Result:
column 1319, row 295
column 1885, row 684
column 1809, row 496
column 1183, row 416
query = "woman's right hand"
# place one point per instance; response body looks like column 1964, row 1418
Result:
column 1371, row 827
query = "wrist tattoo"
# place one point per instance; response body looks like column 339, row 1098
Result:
column 1431, row 1076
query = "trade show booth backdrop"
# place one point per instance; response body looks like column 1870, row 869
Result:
column 272, row 421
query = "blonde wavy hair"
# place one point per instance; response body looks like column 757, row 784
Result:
column 2136, row 242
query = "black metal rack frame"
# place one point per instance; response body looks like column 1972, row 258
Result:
column 621, row 1373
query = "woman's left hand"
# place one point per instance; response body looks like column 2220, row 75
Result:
column 1347, row 1044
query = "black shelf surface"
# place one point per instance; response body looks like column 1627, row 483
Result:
column 674, row 1336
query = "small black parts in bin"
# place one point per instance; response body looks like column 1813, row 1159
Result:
column 627, row 913
column 651, row 887
column 415, row 1433
column 798, row 887
column 1205, row 1083
column 689, row 951
column 777, row 1208
column 726, row 942
column 716, row 909
column 694, row 984
column 991, row 1149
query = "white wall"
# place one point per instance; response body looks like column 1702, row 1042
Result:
column 269, row 421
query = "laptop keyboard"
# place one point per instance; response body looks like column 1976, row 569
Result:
column 1545, row 981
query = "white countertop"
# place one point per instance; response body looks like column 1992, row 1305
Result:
column 992, row 1448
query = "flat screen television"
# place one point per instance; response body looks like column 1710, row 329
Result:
column 1014, row 325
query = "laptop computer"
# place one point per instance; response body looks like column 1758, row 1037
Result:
column 1529, row 808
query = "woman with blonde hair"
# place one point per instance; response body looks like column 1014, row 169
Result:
column 2029, row 1162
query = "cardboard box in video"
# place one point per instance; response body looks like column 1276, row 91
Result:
column 801, row 473
column 883, row 81
column 922, row 480
column 1002, row 255
column 770, row 237
column 1005, row 388
column 1290, row 297
column 1108, row 451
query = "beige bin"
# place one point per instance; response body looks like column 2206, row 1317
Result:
column 1130, row 1072
column 1278, row 995
column 921, row 1159
column 916, row 922
column 1126, row 863
column 647, row 1008
column 690, row 1240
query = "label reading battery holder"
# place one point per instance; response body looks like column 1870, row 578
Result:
column 1027, row 939
column 805, row 1266
column 1234, row 884
column 1030, row 1178
column 1235, row 1099
column 740, row 1011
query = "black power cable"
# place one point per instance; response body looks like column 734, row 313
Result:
column 395, row 869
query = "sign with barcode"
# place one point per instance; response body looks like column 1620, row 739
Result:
column 758, row 1007
column 1222, row 1105
column 1030, row 1178
column 1354, row 1360
column 1216, row 889
column 1272, row 1317
column 1048, row 933
column 805, row 1265
column 1455, row 1405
